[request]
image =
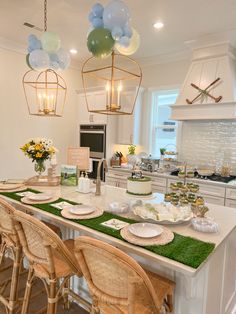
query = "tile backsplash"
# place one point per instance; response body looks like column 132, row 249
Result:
column 209, row 143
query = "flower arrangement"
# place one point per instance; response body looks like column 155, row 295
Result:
column 39, row 150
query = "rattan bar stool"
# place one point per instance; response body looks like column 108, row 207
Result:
column 118, row 284
column 9, row 243
column 50, row 259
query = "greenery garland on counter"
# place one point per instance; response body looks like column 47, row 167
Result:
column 186, row 250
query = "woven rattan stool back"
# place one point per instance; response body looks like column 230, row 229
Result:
column 110, row 273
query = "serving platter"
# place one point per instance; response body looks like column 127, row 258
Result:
column 162, row 213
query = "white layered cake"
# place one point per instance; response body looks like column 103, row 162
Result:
column 139, row 186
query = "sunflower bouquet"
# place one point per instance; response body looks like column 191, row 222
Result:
column 39, row 150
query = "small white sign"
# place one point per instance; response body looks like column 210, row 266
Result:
column 60, row 205
column 115, row 224
column 25, row 193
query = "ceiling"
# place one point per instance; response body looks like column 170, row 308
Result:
column 184, row 20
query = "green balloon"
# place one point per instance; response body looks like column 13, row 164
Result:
column 27, row 61
column 100, row 42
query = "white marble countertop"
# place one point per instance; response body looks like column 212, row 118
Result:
column 169, row 176
column 226, row 217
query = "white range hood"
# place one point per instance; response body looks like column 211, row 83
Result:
column 209, row 62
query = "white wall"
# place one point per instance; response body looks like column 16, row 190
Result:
column 16, row 124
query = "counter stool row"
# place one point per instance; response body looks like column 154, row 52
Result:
column 117, row 283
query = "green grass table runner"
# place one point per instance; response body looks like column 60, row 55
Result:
column 186, row 250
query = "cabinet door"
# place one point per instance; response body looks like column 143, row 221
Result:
column 125, row 130
column 122, row 184
column 129, row 125
column 110, row 181
column 230, row 203
column 214, row 199
column 158, row 189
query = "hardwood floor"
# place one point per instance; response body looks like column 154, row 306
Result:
column 38, row 300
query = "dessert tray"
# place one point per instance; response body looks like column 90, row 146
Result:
column 163, row 213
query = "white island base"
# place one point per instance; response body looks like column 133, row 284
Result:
column 210, row 289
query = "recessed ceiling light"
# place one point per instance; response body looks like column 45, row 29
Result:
column 158, row 25
column 73, row 51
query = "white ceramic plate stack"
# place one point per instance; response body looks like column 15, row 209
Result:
column 39, row 198
column 81, row 212
column 11, row 187
column 145, row 230
column 145, row 234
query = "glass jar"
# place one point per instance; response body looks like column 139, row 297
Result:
column 39, row 167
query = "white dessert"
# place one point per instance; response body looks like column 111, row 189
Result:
column 139, row 186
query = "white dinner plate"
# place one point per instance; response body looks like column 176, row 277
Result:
column 39, row 196
column 145, row 230
column 81, row 209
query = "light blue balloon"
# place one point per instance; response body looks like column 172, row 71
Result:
column 30, row 49
column 53, row 57
column 97, row 22
column 32, row 37
column 54, row 65
column 116, row 13
column 63, row 58
column 128, row 31
column 117, row 33
column 91, row 17
column 39, row 59
column 124, row 41
column 97, row 10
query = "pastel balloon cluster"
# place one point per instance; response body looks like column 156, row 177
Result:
column 111, row 28
column 47, row 53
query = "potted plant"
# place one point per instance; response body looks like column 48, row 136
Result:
column 131, row 157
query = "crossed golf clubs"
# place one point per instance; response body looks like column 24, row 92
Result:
column 204, row 92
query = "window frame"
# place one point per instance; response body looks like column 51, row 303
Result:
column 153, row 94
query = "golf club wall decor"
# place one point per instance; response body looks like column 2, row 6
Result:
column 118, row 74
column 205, row 92
column 45, row 91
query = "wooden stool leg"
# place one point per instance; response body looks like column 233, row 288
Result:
column 65, row 294
column 2, row 251
column 28, row 288
column 15, row 280
column 52, row 298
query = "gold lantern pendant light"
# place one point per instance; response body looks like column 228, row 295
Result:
column 119, row 76
column 45, row 91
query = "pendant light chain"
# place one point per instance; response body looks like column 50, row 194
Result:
column 45, row 15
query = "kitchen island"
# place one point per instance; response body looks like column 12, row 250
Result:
column 206, row 290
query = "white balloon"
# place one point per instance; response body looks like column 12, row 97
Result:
column 64, row 58
column 133, row 46
column 50, row 41
column 39, row 59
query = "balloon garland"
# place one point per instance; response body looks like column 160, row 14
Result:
column 111, row 28
column 47, row 53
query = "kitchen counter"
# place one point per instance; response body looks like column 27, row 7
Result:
column 169, row 176
column 208, row 289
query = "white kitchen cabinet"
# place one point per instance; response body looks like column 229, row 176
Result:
column 129, row 125
column 212, row 190
column 117, row 179
column 97, row 98
column 230, row 203
column 231, row 193
column 158, row 189
column 214, row 199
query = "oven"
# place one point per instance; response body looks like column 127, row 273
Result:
column 94, row 137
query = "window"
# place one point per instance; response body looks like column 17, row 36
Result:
column 164, row 130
